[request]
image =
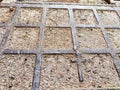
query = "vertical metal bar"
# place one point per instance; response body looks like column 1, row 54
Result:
column 7, row 33
column 75, row 42
column 42, row 27
column 116, row 63
column 36, row 77
column 74, row 32
column 102, row 29
column 118, row 13
column 79, row 71
column 37, row 70
column 112, row 52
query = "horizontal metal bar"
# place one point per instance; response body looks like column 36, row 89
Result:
column 112, row 27
column 87, row 51
column 58, row 52
column 64, row 26
column 58, row 26
column 95, row 51
column 62, row 6
column 86, row 26
column 27, row 25
column 9, row 51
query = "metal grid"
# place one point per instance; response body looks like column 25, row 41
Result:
column 40, row 51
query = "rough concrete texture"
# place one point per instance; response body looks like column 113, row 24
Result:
column 56, row 17
column 2, row 32
column 16, row 72
column 6, row 14
column 23, row 38
column 58, row 38
column 90, row 38
column 29, row 16
column 84, row 17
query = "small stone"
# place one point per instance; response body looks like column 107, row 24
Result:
column 12, row 77
column 98, row 86
column 88, row 70
column 68, row 70
column 11, row 9
column 61, row 75
column 69, row 78
column 95, row 72
column 25, row 59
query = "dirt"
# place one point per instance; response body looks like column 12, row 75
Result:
column 29, row 16
column 58, row 38
column 109, row 18
column 23, row 38
column 6, row 14
column 84, row 17
column 56, row 17
column 16, row 72
column 114, row 36
column 90, row 38
column 2, row 32
column 58, row 73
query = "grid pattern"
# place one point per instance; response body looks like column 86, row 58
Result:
column 41, row 51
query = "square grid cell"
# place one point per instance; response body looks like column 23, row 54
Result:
column 6, row 14
column 23, row 38
column 84, row 17
column 90, row 38
column 57, row 17
column 29, row 16
column 58, row 39
column 16, row 70
column 109, row 18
